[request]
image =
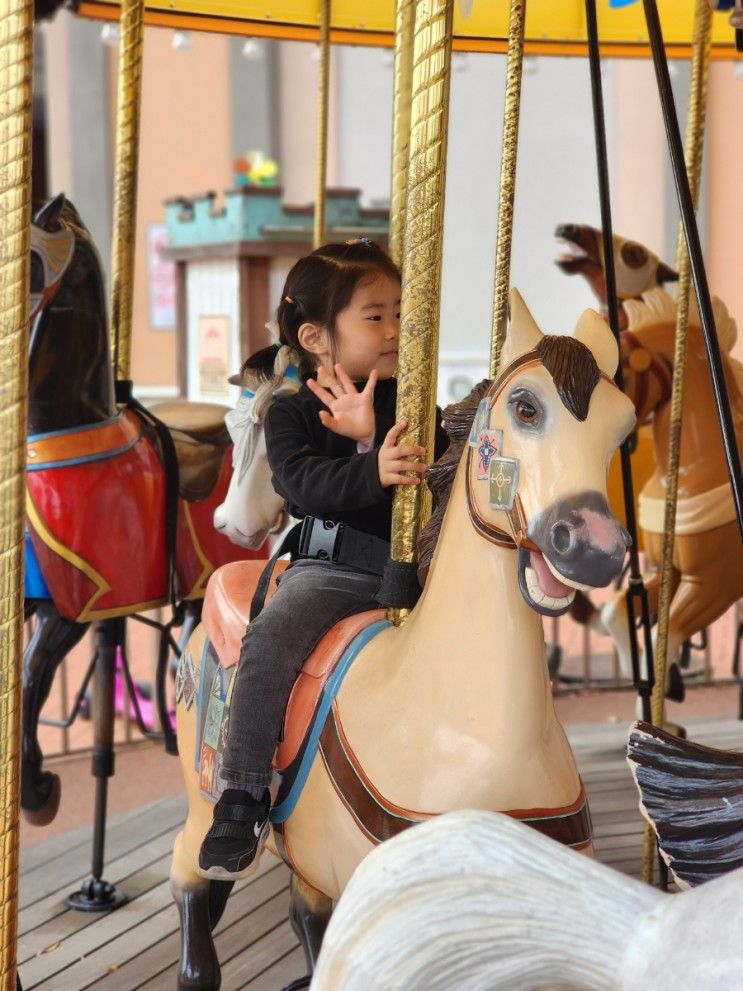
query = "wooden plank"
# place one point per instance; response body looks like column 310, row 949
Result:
column 283, row 972
column 146, row 865
column 151, row 963
column 256, row 959
column 121, row 838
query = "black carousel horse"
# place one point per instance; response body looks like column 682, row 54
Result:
column 119, row 509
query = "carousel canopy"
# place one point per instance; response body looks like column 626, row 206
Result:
column 551, row 28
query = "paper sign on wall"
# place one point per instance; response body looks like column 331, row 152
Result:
column 214, row 334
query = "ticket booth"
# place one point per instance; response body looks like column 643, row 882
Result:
column 231, row 263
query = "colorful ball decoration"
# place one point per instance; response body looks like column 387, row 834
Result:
column 254, row 169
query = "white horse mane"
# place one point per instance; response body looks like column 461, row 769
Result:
column 657, row 306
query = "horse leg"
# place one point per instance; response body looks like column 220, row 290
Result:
column 309, row 914
column 199, row 965
column 52, row 638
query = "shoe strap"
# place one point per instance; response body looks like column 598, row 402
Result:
column 225, row 829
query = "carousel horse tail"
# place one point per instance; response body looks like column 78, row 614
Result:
column 474, row 899
column 692, row 796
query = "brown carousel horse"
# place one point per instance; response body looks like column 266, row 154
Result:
column 708, row 554
column 109, row 528
column 453, row 709
column 707, row 575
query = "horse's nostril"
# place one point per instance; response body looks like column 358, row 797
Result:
column 560, row 537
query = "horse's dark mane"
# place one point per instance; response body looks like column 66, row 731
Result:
column 573, row 369
column 575, row 373
column 457, row 420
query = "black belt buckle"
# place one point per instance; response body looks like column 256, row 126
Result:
column 320, row 539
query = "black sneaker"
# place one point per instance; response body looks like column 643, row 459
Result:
column 235, row 840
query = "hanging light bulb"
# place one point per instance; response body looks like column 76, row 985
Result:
column 387, row 57
column 252, row 50
column 459, row 61
column 110, row 34
column 181, row 41
column 530, row 65
column 738, row 69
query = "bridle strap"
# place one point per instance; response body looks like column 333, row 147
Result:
column 516, row 515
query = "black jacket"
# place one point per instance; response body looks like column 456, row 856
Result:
column 320, row 474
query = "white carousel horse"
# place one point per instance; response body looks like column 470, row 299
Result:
column 452, row 709
column 474, row 900
column 252, row 508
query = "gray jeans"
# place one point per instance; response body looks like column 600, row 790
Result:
column 311, row 597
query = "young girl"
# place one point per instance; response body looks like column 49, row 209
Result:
column 335, row 455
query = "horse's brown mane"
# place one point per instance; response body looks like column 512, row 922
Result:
column 573, row 369
column 575, row 374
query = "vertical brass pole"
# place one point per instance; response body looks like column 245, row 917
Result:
column 421, row 289
column 514, row 65
column 16, row 59
column 404, row 25
column 695, row 123
column 125, row 184
column 322, row 125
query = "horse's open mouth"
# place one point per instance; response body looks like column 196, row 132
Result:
column 541, row 588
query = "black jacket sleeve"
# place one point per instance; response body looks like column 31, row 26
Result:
column 308, row 477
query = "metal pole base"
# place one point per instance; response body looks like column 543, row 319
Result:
column 96, row 895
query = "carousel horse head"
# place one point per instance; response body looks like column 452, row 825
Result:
column 636, row 268
column 539, row 450
column 70, row 374
column 252, row 508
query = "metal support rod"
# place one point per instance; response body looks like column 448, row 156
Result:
column 16, row 59
column 125, row 184
column 403, row 83
column 421, row 270
column 514, row 64
column 96, row 894
column 696, row 259
column 323, row 95
column 636, row 588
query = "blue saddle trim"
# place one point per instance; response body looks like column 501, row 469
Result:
column 282, row 811
column 74, row 430
column 35, row 587
column 86, row 459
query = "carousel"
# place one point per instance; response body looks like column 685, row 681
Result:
column 519, row 524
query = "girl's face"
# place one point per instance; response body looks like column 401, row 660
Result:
column 367, row 331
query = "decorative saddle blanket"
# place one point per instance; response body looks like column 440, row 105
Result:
column 225, row 616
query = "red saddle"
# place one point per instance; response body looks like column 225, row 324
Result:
column 225, row 615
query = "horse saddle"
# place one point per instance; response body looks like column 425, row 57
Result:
column 225, row 616
column 200, row 438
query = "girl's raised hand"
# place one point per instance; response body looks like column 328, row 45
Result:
column 395, row 461
column 351, row 412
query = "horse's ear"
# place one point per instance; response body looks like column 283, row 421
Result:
column 593, row 331
column 47, row 216
column 522, row 334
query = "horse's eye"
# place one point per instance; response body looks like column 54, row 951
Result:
column 634, row 254
column 526, row 412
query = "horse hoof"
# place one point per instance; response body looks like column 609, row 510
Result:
column 42, row 804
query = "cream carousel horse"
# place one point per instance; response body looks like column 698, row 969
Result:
column 453, row 708
column 475, row 900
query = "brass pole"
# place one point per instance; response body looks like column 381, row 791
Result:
column 404, row 24
column 16, row 60
column 125, row 184
column 507, row 180
column 695, row 123
column 318, row 237
column 421, row 270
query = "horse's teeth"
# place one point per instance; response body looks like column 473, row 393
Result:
column 539, row 597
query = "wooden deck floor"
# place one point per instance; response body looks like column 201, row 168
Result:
column 136, row 947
